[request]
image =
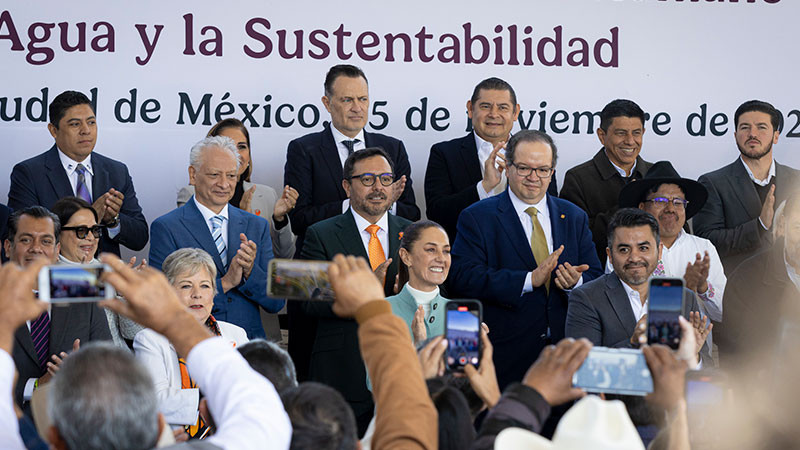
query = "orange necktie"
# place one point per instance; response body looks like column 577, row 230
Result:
column 376, row 255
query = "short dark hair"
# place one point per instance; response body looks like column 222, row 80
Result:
column 321, row 418
column 530, row 136
column 631, row 218
column 64, row 101
column 37, row 212
column 493, row 84
column 341, row 70
column 759, row 106
column 463, row 385
column 653, row 189
column 271, row 361
column 235, row 123
column 411, row 235
column 619, row 108
column 360, row 155
column 66, row 207
column 455, row 422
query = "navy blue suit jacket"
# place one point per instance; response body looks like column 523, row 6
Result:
column 41, row 180
column 185, row 227
column 313, row 168
column 491, row 258
column 454, row 170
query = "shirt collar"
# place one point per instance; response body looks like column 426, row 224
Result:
column 70, row 164
column 520, row 206
column 481, row 144
column 770, row 174
column 421, row 296
column 338, row 137
column 362, row 223
column 619, row 169
column 681, row 236
column 631, row 292
column 207, row 213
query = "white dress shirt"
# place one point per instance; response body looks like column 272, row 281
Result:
column 485, row 150
column 208, row 214
column 684, row 251
column 69, row 167
column 423, row 298
column 752, row 176
column 383, row 231
column 639, row 308
column 9, row 424
column 619, row 169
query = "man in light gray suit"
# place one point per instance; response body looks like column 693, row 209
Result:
column 611, row 311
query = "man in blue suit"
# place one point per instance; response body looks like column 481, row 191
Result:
column 519, row 252
column 71, row 167
column 238, row 241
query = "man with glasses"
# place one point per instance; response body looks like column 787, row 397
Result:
column 673, row 200
column 369, row 230
column 520, row 252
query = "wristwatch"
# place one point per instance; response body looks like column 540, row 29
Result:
column 114, row 222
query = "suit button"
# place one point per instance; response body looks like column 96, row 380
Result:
column 431, row 319
column 542, row 336
column 230, row 300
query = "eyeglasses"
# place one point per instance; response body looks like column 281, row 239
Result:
column 82, row 231
column 541, row 172
column 368, row 179
column 661, row 202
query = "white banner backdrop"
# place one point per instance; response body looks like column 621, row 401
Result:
column 163, row 72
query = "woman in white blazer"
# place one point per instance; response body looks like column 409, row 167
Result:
column 255, row 198
column 192, row 272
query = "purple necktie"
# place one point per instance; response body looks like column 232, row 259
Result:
column 40, row 334
column 80, row 189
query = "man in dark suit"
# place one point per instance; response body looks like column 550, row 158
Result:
column 71, row 167
column 34, row 233
column 595, row 184
column 743, row 195
column 518, row 252
column 611, row 311
column 366, row 229
column 462, row 171
column 238, row 241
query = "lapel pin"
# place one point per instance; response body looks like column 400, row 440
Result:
column 400, row 235
column 258, row 212
column 563, row 216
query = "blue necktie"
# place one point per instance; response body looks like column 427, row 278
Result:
column 216, row 234
column 80, row 189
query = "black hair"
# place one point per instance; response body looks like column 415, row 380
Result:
column 493, row 84
column 411, row 234
column 235, row 123
column 530, row 136
column 341, row 70
column 455, row 423
column 359, row 155
column 463, row 384
column 321, row 418
column 37, row 212
column 271, row 361
column 631, row 218
column 64, row 101
column 759, row 106
column 619, row 108
column 66, row 207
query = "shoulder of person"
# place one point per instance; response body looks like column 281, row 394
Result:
column 453, row 144
column 308, row 139
column 232, row 332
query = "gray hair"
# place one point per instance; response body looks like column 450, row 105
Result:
column 530, row 136
column 191, row 260
column 222, row 142
column 104, row 399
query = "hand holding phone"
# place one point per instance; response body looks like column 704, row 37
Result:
column 614, row 371
column 665, row 303
column 299, row 280
column 74, row 283
column 462, row 330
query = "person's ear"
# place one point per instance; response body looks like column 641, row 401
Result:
column 327, row 102
column 346, row 187
column 192, row 175
column 601, row 135
column 404, row 256
column 52, row 129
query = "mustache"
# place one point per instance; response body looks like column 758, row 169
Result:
column 377, row 196
column 634, row 264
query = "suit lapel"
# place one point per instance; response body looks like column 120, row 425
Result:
column 236, row 226
column 743, row 188
column 350, row 236
column 23, row 338
column 393, row 236
column 56, row 174
column 330, row 154
column 509, row 221
column 100, row 182
column 557, row 223
column 59, row 318
column 619, row 301
column 196, row 226
column 469, row 156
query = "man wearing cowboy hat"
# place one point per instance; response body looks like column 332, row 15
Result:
column 673, row 200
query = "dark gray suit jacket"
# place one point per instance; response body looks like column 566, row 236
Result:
column 729, row 218
column 601, row 312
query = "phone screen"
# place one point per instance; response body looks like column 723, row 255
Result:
column 76, row 284
column 665, row 302
column 615, row 371
column 299, row 280
column 463, row 334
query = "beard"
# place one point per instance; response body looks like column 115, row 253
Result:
column 755, row 153
column 370, row 208
column 633, row 279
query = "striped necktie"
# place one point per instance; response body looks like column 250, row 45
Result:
column 40, row 334
column 216, row 234
column 80, row 189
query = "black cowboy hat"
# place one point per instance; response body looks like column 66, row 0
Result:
column 663, row 172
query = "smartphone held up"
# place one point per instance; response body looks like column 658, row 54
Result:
column 665, row 304
column 74, row 283
column 462, row 330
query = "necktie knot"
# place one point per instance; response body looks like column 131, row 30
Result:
column 216, row 222
column 532, row 211
column 81, row 189
column 373, row 230
column 350, row 144
column 80, row 169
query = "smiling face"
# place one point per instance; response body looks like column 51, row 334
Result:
column 371, row 202
column 670, row 218
column 348, row 104
column 428, row 261
column 35, row 238
column 634, row 254
column 755, row 135
column 242, row 147
column 79, row 250
column 76, row 133
column 215, row 179
column 196, row 291
column 535, row 155
column 493, row 114
column 623, row 140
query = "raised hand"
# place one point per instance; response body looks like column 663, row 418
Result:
column 493, row 168
column 540, row 274
column 285, row 203
column 551, row 374
column 696, row 276
column 567, row 275
column 353, row 283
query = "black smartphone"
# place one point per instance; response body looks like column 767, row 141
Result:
column 295, row 279
column 614, row 371
column 463, row 332
column 665, row 303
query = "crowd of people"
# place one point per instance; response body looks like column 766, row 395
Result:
column 184, row 356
